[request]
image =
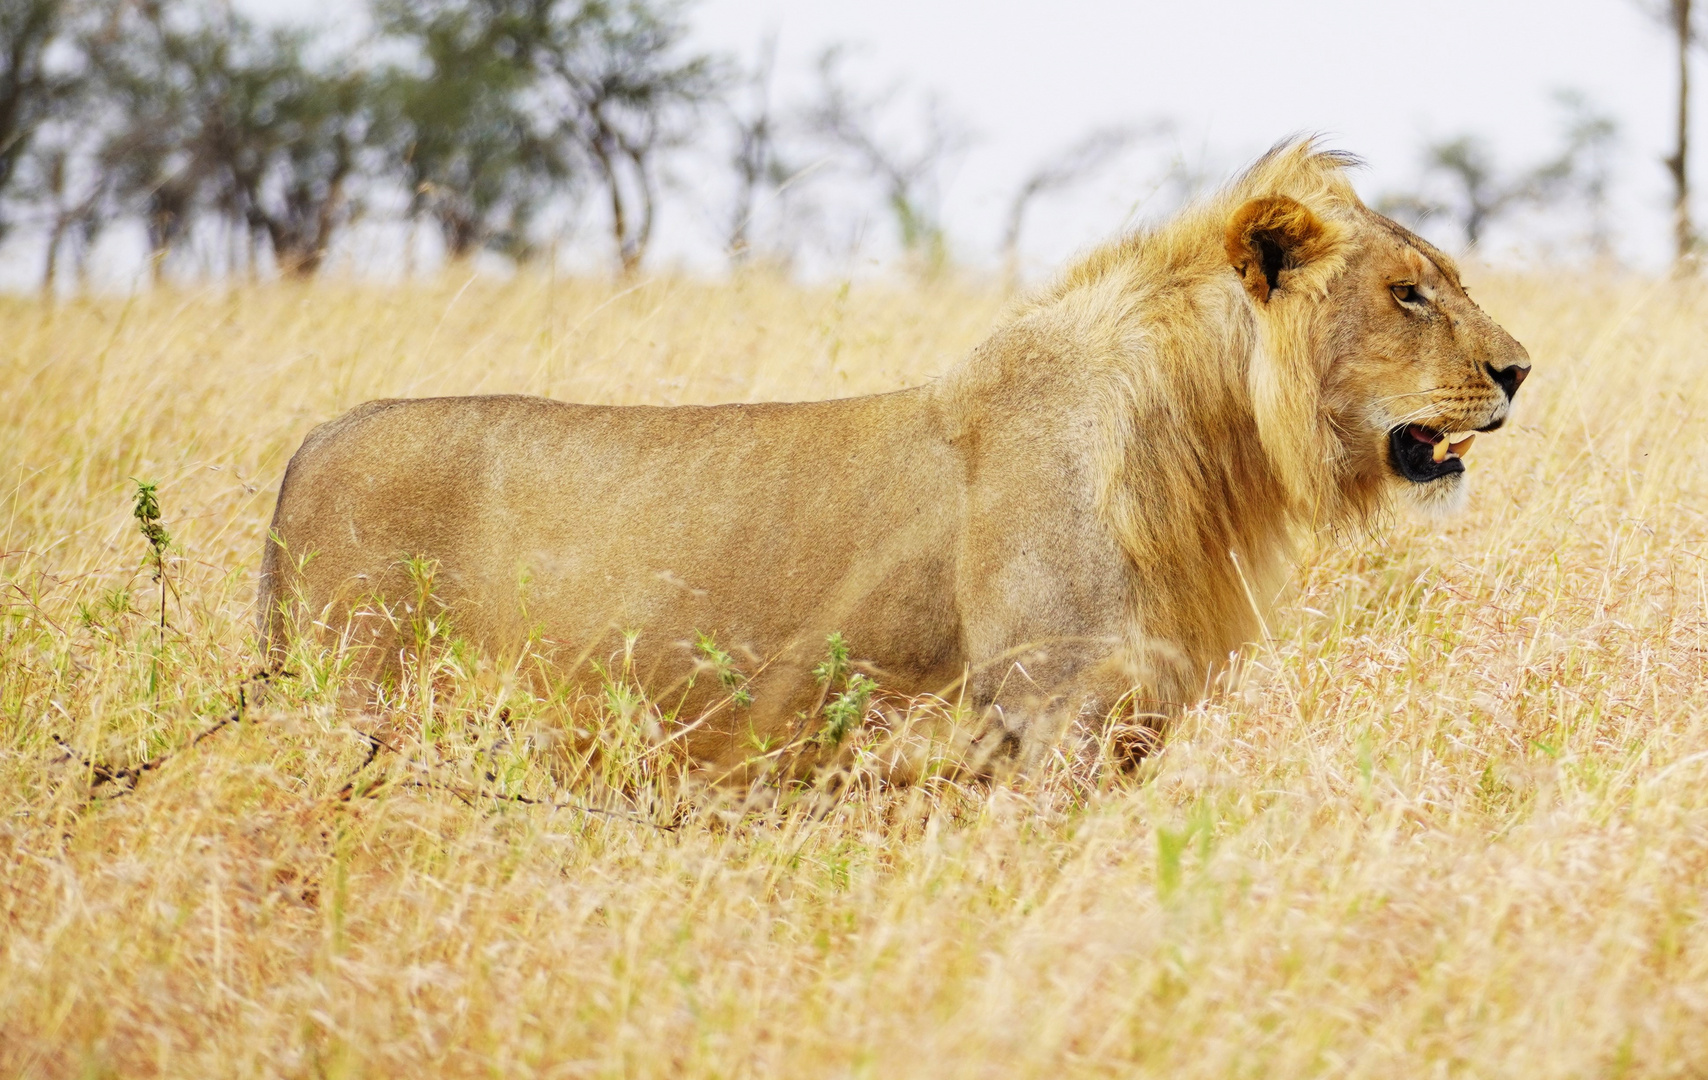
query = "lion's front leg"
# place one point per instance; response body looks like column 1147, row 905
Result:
column 1046, row 630
column 1047, row 598
column 1087, row 699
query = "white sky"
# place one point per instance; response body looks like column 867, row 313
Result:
column 1379, row 79
column 1236, row 75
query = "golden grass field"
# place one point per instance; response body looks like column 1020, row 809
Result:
column 1454, row 823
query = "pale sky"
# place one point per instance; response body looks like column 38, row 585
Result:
column 1378, row 79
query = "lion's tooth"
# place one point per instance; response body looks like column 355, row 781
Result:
column 1440, row 451
column 1462, row 445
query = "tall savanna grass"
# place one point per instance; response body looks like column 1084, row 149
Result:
column 1454, row 822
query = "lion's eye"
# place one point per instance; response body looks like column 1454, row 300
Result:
column 1406, row 293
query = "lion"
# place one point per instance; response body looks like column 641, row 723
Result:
column 1090, row 512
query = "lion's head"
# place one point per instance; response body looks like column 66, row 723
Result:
column 1375, row 369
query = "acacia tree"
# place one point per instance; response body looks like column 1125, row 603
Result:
column 216, row 115
column 151, row 156
column 56, row 169
column 1583, row 171
column 457, row 121
column 1481, row 194
column 754, row 157
column 64, row 177
column 907, row 173
column 30, row 90
column 276, row 138
column 1473, row 191
column 1677, row 16
column 286, row 146
column 622, row 92
column 1070, row 166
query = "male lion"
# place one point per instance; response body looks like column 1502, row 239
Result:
column 1094, row 503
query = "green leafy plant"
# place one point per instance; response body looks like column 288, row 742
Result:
column 147, row 512
column 834, row 668
column 849, row 692
column 721, row 662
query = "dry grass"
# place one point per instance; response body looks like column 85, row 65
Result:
column 1456, row 824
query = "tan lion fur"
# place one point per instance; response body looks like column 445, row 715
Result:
column 1094, row 506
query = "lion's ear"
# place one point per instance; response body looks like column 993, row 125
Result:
column 1269, row 239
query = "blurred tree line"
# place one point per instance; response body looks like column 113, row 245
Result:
column 1463, row 184
column 180, row 112
column 474, row 115
column 479, row 119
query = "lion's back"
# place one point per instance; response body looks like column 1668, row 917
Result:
column 743, row 518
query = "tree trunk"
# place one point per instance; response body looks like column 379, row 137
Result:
column 50, row 272
column 462, row 233
column 746, row 197
column 297, row 251
column 296, row 255
column 619, row 216
column 1684, row 235
column 1011, row 235
column 640, row 236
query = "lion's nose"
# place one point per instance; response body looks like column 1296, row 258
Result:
column 1509, row 378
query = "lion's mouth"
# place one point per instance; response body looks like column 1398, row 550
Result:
column 1421, row 454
